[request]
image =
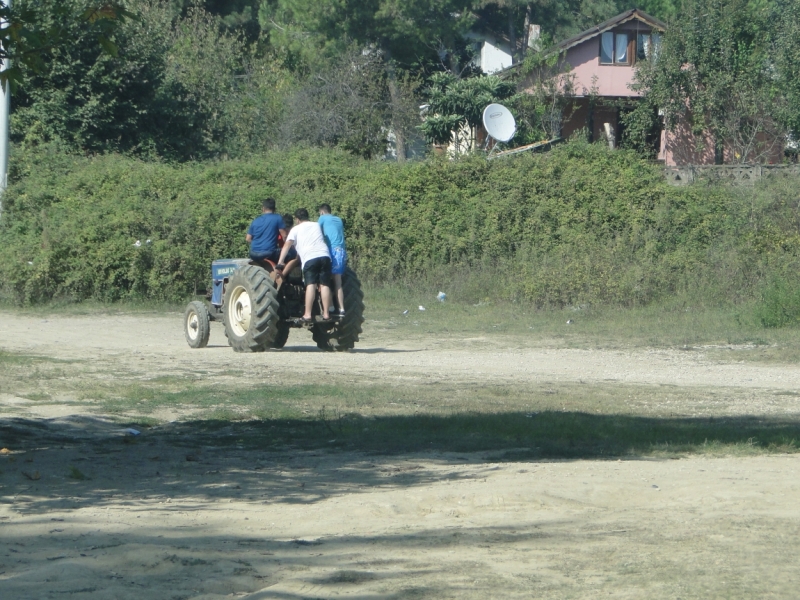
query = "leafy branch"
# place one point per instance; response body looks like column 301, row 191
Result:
column 28, row 43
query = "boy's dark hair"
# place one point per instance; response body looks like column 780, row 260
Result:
column 301, row 214
column 288, row 220
column 324, row 208
column 268, row 204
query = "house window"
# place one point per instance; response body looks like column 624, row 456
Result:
column 614, row 49
column 647, row 45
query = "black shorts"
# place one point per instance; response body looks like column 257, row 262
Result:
column 317, row 270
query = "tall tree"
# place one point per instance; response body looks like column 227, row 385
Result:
column 785, row 50
column 456, row 107
column 32, row 32
column 343, row 103
column 665, row 10
column 168, row 92
column 404, row 32
column 714, row 71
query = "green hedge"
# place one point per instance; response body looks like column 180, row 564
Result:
column 580, row 225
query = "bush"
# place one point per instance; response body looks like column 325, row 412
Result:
column 780, row 304
column 580, row 225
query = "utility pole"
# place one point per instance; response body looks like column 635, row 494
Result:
column 5, row 106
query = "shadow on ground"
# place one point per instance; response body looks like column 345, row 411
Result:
column 306, row 460
column 353, row 351
column 53, row 469
column 546, row 434
column 170, row 563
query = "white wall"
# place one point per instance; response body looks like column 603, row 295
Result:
column 494, row 59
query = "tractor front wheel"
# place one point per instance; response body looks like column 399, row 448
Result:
column 196, row 324
column 250, row 310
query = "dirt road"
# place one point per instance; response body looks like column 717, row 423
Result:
column 147, row 343
column 84, row 515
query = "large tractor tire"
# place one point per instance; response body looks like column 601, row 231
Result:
column 346, row 332
column 196, row 324
column 250, row 310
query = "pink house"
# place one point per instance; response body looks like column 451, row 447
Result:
column 601, row 64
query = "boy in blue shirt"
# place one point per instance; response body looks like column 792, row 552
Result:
column 333, row 232
column 262, row 235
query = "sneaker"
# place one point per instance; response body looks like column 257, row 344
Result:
column 340, row 314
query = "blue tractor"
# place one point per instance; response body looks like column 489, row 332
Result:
column 259, row 305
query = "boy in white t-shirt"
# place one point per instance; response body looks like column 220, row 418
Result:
column 306, row 236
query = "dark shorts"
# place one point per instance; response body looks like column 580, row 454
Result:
column 273, row 256
column 317, row 270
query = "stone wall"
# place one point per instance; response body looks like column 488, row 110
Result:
column 731, row 174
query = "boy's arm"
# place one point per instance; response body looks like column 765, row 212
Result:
column 249, row 236
column 284, row 251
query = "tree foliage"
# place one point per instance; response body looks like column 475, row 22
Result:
column 410, row 31
column 28, row 40
column 785, row 51
column 546, row 84
column 192, row 79
column 343, row 104
column 180, row 87
column 458, row 104
column 715, row 71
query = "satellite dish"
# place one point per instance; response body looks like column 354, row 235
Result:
column 499, row 122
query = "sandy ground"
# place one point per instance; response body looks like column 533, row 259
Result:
column 149, row 519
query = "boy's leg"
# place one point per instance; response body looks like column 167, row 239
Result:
column 337, row 284
column 311, row 277
column 325, row 287
column 325, row 292
column 311, row 292
column 338, row 262
column 317, row 271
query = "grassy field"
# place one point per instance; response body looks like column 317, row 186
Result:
column 552, row 419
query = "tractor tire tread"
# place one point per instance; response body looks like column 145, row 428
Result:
column 203, row 322
column 348, row 330
column 264, row 310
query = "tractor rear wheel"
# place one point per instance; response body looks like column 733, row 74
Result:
column 347, row 330
column 250, row 310
column 196, row 324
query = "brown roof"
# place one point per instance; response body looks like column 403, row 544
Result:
column 629, row 15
